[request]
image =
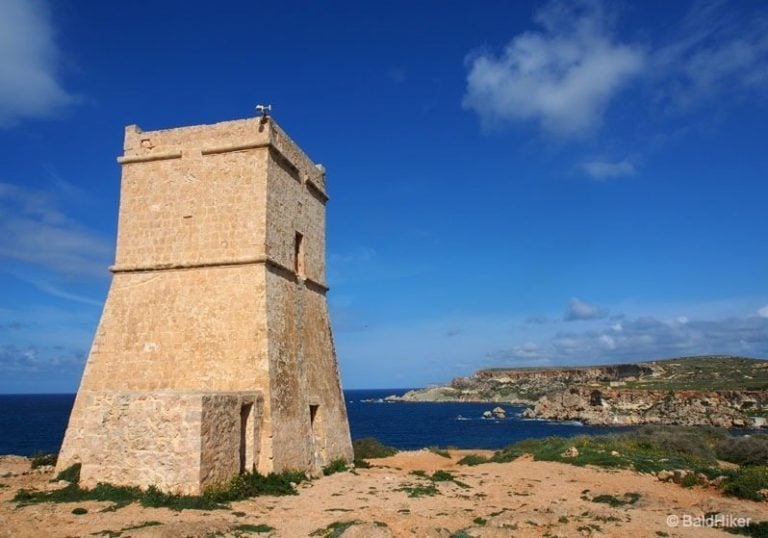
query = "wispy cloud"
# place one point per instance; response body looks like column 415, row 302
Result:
column 605, row 170
column 562, row 77
column 580, row 310
column 33, row 359
column 719, row 48
column 56, row 291
column 29, row 63
column 647, row 337
column 34, row 230
column 763, row 312
column 498, row 341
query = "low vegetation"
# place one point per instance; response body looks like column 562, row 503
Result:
column 42, row 460
column 420, row 490
column 247, row 527
column 756, row 530
column 238, row 488
column 752, row 450
column 711, row 372
column 70, row 474
column 336, row 466
column 439, row 451
column 337, row 528
column 652, row 449
column 370, row 448
column 748, row 482
column 614, row 502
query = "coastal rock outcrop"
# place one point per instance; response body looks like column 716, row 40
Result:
column 607, row 406
column 715, row 390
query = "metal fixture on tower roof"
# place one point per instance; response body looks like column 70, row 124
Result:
column 264, row 110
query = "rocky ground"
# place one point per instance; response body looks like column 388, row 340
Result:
column 522, row 498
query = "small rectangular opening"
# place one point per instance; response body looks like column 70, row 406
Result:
column 298, row 253
column 313, row 415
column 246, row 437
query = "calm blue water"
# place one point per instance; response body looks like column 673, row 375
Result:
column 36, row 423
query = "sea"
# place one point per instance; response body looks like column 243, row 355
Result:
column 35, row 423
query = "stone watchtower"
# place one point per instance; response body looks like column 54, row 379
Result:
column 214, row 353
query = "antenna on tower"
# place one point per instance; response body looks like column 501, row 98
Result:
column 264, row 110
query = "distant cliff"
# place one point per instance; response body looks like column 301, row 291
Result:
column 713, row 390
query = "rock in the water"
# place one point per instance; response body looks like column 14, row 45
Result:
column 487, row 414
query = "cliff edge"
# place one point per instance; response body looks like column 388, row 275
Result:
column 717, row 390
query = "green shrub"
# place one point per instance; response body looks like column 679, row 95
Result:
column 747, row 450
column 649, row 450
column 439, row 451
column 613, row 501
column 247, row 527
column 442, row 476
column 70, row 474
column 336, row 466
column 40, row 459
column 120, row 495
column 239, row 488
column 370, row 448
column 335, row 529
column 747, row 482
column 79, row 511
column 142, row 525
column 472, row 459
column 420, row 490
column 689, row 480
column 254, row 485
column 756, row 530
column 154, row 498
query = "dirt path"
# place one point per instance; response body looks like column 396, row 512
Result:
column 522, row 498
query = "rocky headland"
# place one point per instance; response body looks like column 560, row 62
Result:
column 721, row 391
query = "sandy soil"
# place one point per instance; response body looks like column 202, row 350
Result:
column 522, row 498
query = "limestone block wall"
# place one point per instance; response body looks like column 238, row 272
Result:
column 193, row 209
column 331, row 429
column 173, row 440
column 202, row 329
column 230, row 424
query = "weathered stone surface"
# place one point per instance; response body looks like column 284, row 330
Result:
column 214, row 352
column 612, row 406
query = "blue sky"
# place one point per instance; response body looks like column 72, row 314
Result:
column 512, row 183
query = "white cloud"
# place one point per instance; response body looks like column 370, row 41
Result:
column 646, row 338
column 29, row 61
column 580, row 310
column 562, row 77
column 604, row 170
column 33, row 230
column 763, row 312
